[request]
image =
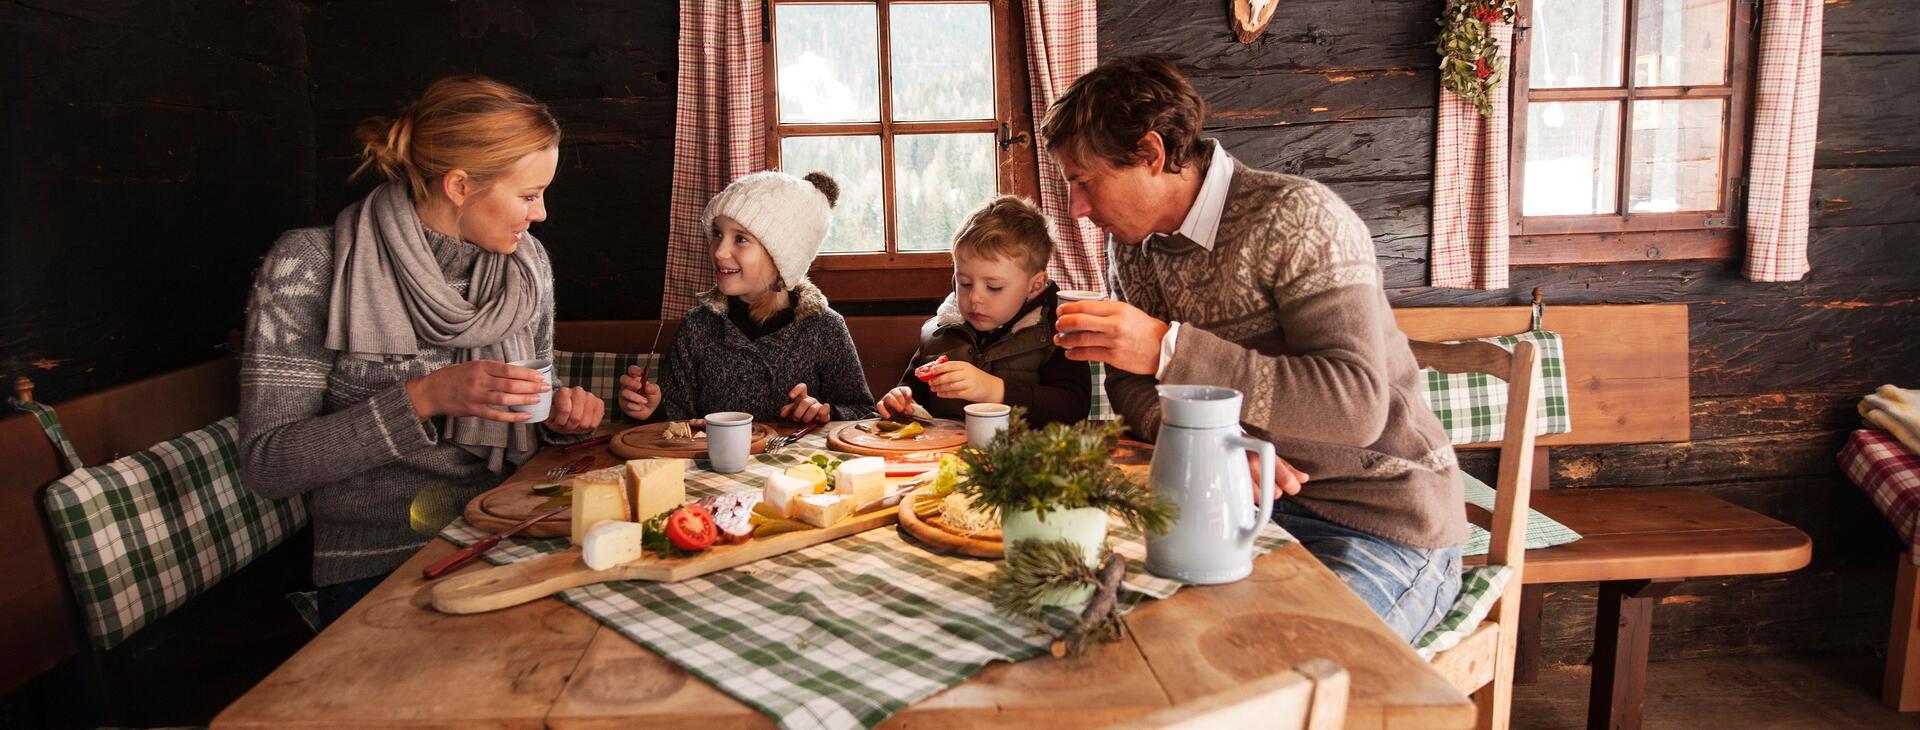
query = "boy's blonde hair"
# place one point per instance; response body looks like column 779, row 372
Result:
column 1009, row 227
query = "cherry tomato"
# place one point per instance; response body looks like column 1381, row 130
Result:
column 691, row 528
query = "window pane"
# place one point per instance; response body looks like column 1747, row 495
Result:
column 854, row 162
column 1573, row 158
column 1680, row 42
column 942, row 62
column 1576, row 43
column 829, row 63
column 939, row 179
column 1676, row 156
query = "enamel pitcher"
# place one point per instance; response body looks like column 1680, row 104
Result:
column 1199, row 463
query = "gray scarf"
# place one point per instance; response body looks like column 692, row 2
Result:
column 390, row 296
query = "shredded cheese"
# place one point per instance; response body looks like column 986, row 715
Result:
column 957, row 510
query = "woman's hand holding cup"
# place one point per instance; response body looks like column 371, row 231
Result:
column 480, row 388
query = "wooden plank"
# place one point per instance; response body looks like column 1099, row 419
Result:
column 393, row 660
column 1865, row 196
column 1292, row 609
column 1303, row 34
column 1859, row 105
column 1659, row 533
column 1900, row 688
column 1766, row 456
column 1468, row 666
column 1552, row 250
column 1623, row 625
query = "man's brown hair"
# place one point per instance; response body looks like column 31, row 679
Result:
column 1104, row 114
column 1009, row 227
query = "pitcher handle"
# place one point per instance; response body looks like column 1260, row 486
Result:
column 1265, row 450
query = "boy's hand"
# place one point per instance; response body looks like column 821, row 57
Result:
column 899, row 400
column 962, row 381
column 636, row 400
column 803, row 408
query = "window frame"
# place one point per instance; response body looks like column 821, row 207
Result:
column 1625, row 236
column 893, row 275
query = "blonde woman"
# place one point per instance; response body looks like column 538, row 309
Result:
column 375, row 374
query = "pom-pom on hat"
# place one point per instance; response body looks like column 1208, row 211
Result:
column 790, row 215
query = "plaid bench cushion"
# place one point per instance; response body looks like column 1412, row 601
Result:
column 146, row 532
column 1473, row 406
column 1542, row 531
column 1889, row 473
column 599, row 373
column 1479, row 589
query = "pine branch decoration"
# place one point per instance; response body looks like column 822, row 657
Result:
column 1470, row 63
column 1036, row 569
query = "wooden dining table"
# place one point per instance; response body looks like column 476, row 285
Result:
column 393, row 660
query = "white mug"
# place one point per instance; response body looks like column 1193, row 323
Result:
column 542, row 409
column 729, row 440
column 1079, row 295
column 984, row 420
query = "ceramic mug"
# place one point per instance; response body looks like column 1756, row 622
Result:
column 1079, row 295
column 542, row 409
column 984, row 420
column 729, row 440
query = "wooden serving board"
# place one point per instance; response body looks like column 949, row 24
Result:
column 509, row 585
column 941, row 435
column 936, row 534
column 513, row 502
column 641, row 442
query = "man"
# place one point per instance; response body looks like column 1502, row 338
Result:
column 1266, row 283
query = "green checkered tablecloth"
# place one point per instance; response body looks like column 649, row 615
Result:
column 838, row 635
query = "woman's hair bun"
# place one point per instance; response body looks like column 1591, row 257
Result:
column 827, row 186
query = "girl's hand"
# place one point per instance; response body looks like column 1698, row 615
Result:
column 802, row 408
column 899, row 400
column 963, row 381
column 575, row 411
column 638, row 400
column 475, row 388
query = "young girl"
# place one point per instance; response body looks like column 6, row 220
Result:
column 377, row 348
column 763, row 339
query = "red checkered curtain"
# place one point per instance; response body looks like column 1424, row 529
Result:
column 1786, row 111
column 1062, row 38
column 721, row 132
column 1470, row 194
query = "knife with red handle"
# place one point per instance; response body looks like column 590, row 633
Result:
column 467, row 554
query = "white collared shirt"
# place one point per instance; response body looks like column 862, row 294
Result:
column 1200, row 226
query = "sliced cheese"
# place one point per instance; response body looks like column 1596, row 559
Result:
column 821, row 510
column 861, row 480
column 810, row 474
column 597, row 496
column 655, row 486
column 611, row 543
column 780, row 492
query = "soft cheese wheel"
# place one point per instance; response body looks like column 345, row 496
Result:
column 781, row 490
column 821, row 510
column 597, row 496
column 611, row 543
column 655, row 486
column 861, row 480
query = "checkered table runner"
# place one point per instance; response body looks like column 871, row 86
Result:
column 1889, row 473
column 838, row 635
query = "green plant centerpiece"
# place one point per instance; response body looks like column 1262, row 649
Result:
column 1053, row 489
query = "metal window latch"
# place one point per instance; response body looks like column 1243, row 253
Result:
column 1009, row 139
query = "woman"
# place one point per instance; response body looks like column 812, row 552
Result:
column 375, row 377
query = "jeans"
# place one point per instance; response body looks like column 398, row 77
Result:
column 1410, row 588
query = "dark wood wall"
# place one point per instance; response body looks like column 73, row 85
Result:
column 1344, row 91
column 150, row 151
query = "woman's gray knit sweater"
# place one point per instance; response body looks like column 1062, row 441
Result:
column 714, row 367
column 340, row 431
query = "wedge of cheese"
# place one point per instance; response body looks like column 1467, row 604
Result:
column 861, row 480
column 655, row 486
column 597, row 496
column 810, row 474
column 611, row 543
column 781, row 491
column 821, row 510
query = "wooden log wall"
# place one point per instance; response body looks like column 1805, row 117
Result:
column 1344, row 91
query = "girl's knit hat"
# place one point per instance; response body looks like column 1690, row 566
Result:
column 790, row 215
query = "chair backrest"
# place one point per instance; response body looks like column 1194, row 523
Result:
column 1521, row 369
column 1311, row 696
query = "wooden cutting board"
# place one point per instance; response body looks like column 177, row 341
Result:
column 512, row 584
column 641, row 442
column 514, row 501
column 937, row 534
column 941, row 435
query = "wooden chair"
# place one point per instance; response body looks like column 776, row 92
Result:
column 1482, row 664
column 1311, row 696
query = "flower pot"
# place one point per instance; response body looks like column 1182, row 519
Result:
column 1086, row 527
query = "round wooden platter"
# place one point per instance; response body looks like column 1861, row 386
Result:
column 646, row 441
column 937, row 534
column 512, row 502
column 941, row 435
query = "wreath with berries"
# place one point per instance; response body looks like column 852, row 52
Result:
column 1470, row 63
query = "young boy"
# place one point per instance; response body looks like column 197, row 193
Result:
column 992, row 341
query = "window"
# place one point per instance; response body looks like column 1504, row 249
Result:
column 1629, row 129
column 919, row 109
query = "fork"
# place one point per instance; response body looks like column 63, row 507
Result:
column 780, row 442
column 574, row 467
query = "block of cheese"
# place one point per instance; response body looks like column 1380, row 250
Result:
column 611, row 543
column 810, row 474
column 655, row 486
column 821, row 510
column 861, row 480
column 599, row 495
column 780, row 492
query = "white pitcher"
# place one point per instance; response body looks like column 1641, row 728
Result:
column 1199, row 463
